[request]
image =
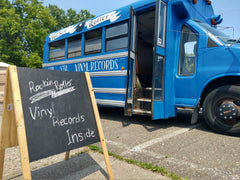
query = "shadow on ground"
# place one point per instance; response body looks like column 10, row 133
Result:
column 182, row 120
column 76, row 167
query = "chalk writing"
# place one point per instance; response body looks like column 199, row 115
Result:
column 37, row 112
column 53, row 93
column 59, row 122
column 77, row 137
column 57, row 109
column 60, row 88
column 34, row 88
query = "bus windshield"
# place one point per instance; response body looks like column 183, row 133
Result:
column 215, row 32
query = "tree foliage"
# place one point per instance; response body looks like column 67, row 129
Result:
column 65, row 19
column 24, row 25
column 10, row 40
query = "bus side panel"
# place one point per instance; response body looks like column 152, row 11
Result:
column 110, row 96
column 108, row 76
column 109, row 82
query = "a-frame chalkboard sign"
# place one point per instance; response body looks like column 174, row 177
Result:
column 48, row 112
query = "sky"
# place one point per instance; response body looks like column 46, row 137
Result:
column 229, row 10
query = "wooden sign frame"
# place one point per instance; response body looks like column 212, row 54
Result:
column 13, row 133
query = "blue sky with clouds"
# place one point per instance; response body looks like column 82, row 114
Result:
column 229, row 10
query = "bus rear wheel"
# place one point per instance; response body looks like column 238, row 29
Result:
column 221, row 110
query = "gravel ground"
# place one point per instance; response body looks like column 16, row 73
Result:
column 12, row 165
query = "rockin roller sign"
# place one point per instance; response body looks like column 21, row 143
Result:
column 46, row 113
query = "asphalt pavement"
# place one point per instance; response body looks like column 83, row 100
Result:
column 83, row 164
column 189, row 151
column 89, row 165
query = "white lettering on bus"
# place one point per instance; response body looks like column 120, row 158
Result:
column 64, row 68
column 112, row 16
column 102, row 65
column 70, row 29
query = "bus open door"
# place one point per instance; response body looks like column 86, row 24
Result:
column 131, row 74
column 158, row 98
column 146, row 62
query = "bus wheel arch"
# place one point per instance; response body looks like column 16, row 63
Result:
column 221, row 109
column 209, row 87
column 219, row 82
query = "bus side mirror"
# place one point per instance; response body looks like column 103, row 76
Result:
column 216, row 20
column 194, row 1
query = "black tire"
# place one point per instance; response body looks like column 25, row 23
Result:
column 211, row 113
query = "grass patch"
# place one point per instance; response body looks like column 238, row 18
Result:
column 78, row 153
column 35, row 167
column 149, row 166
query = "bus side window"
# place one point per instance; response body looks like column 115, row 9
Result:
column 211, row 43
column 93, row 42
column 74, row 46
column 188, row 52
column 57, row 50
column 117, row 37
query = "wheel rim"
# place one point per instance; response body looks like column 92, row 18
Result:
column 227, row 110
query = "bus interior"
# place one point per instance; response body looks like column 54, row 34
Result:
column 144, row 63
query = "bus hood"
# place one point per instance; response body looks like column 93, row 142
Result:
column 235, row 49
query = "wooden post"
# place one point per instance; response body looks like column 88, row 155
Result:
column 67, row 155
column 99, row 125
column 2, row 154
column 18, row 112
column 8, row 134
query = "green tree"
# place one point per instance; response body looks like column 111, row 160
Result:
column 24, row 25
column 59, row 16
column 10, row 28
column 65, row 19
column 23, row 28
column 36, row 23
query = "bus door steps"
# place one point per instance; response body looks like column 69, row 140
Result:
column 142, row 101
column 142, row 112
column 143, row 93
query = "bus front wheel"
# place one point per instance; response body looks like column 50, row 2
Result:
column 221, row 110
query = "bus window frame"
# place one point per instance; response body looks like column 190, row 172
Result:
column 68, row 42
column 162, row 20
column 63, row 48
column 181, row 62
column 96, row 51
column 116, row 37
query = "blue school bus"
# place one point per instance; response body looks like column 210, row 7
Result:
column 154, row 57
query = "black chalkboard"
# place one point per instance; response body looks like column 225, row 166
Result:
column 58, row 112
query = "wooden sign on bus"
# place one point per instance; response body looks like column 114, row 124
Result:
column 48, row 112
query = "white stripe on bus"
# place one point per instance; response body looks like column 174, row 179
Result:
column 110, row 90
column 93, row 58
column 108, row 73
column 110, row 102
